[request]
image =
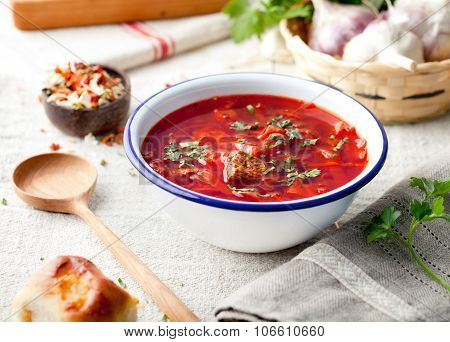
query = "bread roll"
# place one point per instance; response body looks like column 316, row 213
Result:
column 73, row 289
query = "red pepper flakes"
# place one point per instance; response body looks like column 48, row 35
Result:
column 108, row 139
column 54, row 147
column 113, row 137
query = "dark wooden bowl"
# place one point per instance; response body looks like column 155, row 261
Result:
column 80, row 122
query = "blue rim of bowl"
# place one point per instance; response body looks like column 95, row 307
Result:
column 193, row 196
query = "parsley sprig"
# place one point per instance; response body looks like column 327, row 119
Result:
column 249, row 20
column 428, row 208
column 253, row 19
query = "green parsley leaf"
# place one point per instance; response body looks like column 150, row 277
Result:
column 340, row 144
column 287, row 165
column 185, row 144
column 298, row 12
column 284, row 123
column 274, row 121
column 253, row 22
column 431, row 188
column 438, row 206
column 185, row 152
column 121, row 283
column 165, row 318
column 441, row 187
column 293, row 133
column 425, row 185
column 309, row 142
column 419, row 209
column 171, row 152
column 389, row 215
column 278, row 140
column 250, row 108
column 239, row 126
column 4, row 201
column 437, row 210
column 292, row 176
column 373, row 232
column 279, row 122
column 381, row 225
column 310, row 174
column 235, row 8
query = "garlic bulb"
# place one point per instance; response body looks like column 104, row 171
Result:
column 429, row 20
column 386, row 43
column 334, row 25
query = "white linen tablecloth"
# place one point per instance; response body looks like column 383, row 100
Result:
column 121, row 45
column 200, row 274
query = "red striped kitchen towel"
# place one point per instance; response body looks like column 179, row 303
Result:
column 124, row 45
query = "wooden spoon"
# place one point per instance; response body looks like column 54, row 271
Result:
column 61, row 182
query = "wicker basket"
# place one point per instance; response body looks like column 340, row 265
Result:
column 394, row 94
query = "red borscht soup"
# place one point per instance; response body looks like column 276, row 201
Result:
column 255, row 148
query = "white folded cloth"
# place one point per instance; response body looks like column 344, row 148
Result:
column 125, row 45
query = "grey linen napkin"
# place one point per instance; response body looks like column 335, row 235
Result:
column 343, row 278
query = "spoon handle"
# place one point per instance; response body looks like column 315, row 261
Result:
column 166, row 300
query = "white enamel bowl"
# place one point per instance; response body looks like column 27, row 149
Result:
column 255, row 227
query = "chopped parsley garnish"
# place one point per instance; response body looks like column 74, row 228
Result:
column 250, row 108
column 284, row 123
column 309, row 142
column 291, row 177
column 121, row 283
column 240, row 190
column 4, row 201
column 340, row 144
column 279, row 122
column 287, row 165
column 165, row 318
column 171, row 152
column 293, row 133
column 278, row 140
column 185, row 153
column 269, row 169
column 239, row 126
column 186, row 144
